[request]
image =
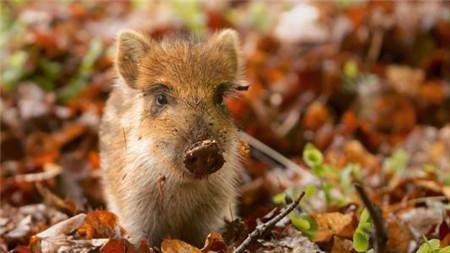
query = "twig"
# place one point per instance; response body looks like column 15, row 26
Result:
column 396, row 207
column 268, row 151
column 375, row 46
column 263, row 228
column 50, row 171
column 381, row 234
column 294, row 114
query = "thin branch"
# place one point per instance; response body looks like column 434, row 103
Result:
column 268, row 151
column 294, row 114
column 381, row 234
column 396, row 207
column 375, row 46
column 50, row 171
column 263, row 228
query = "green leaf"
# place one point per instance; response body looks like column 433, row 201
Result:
column 299, row 222
column 346, row 176
column 446, row 179
column 280, row 198
column 324, row 170
column 429, row 168
column 445, row 250
column 351, row 69
column 191, row 14
column 312, row 156
column 84, row 73
column 310, row 190
column 303, row 222
column 259, row 16
column 327, row 188
column 361, row 237
column 14, row 70
column 365, row 216
column 397, row 161
column 432, row 246
column 360, row 241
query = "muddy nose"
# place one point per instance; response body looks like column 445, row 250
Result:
column 203, row 158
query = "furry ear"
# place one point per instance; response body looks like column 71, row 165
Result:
column 131, row 48
column 227, row 41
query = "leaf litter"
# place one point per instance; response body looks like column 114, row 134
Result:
column 348, row 92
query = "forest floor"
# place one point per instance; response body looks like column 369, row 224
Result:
column 353, row 96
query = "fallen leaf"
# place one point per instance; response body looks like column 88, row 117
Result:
column 316, row 115
column 22, row 229
column 117, row 246
column 62, row 243
column 177, row 246
column 334, row 224
column 341, row 245
column 51, row 199
column 101, row 224
column 400, row 236
column 404, row 79
column 214, row 242
column 64, row 227
column 292, row 242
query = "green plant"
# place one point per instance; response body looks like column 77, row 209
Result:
column 361, row 237
column 432, row 246
column 303, row 222
column 84, row 73
column 397, row 161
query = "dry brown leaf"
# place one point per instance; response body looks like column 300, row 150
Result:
column 68, row 133
column 101, row 224
column 61, row 243
column 399, row 234
column 446, row 191
column 334, row 224
column 293, row 241
column 64, row 227
column 355, row 152
column 51, row 199
column 316, row 115
column 341, row 245
column 177, row 246
column 214, row 242
column 404, row 79
column 117, row 246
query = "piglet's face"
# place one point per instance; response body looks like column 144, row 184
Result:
column 182, row 88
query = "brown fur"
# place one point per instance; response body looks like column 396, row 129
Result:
column 142, row 145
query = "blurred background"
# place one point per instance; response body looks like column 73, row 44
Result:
column 366, row 82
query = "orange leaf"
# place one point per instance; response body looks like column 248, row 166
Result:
column 341, row 245
column 214, row 243
column 48, row 157
column 316, row 115
column 94, row 159
column 118, row 246
column 331, row 224
column 400, row 235
column 177, row 246
column 100, row 224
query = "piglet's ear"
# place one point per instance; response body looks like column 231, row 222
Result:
column 227, row 41
column 131, row 48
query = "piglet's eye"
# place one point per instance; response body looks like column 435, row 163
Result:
column 161, row 99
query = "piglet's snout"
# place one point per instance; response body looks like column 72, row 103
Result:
column 203, row 158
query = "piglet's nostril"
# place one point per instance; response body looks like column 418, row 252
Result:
column 203, row 158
